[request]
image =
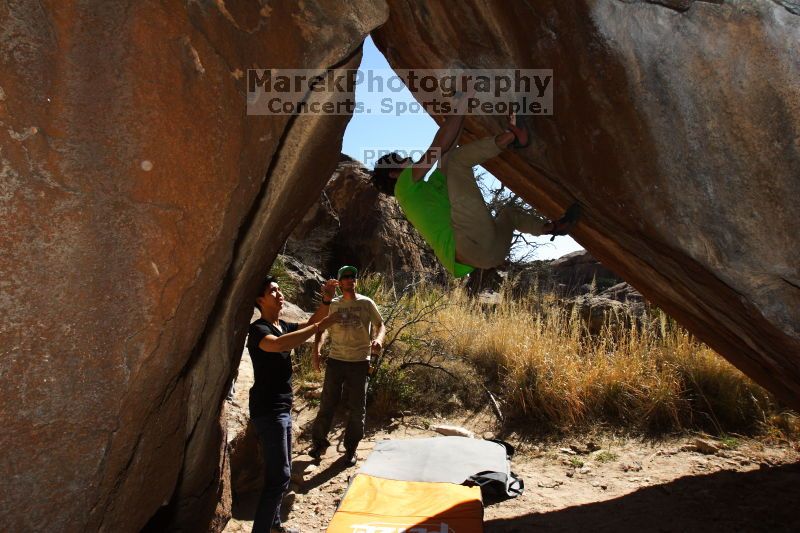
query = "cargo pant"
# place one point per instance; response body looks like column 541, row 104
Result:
column 351, row 376
column 482, row 241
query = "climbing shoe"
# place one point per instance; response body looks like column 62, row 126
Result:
column 564, row 225
column 519, row 127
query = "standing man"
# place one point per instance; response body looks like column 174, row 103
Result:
column 270, row 343
column 347, row 367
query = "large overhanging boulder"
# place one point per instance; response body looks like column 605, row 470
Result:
column 138, row 206
column 676, row 128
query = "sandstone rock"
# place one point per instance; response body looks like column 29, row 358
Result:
column 453, row 431
column 275, row 214
column 685, row 167
column 352, row 224
column 308, row 280
column 550, row 484
column 483, row 281
column 597, row 312
column 704, row 446
column 246, row 464
column 631, row 467
column 570, row 274
column 623, row 292
column 293, row 313
column 536, row 276
column 580, row 268
column 584, row 449
column 313, row 394
column 139, row 204
column 454, row 403
column 490, row 299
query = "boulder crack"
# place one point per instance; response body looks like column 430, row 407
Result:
column 679, row 6
column 792, row 6
column 792, row 283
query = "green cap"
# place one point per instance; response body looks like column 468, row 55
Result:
column 347, row 269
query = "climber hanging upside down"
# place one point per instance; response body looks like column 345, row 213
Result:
column 448, row 210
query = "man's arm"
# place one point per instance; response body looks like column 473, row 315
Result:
column 315, row 356
column 444, row 140
column 378, row 326
column 271, row 343
column 377, row 342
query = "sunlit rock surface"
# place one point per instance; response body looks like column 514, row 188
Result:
column 676, row 126
column 138, row 204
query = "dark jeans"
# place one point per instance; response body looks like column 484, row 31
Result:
column 275, row 434
column 352, row 377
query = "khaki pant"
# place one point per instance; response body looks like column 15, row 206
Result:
column 482, row 241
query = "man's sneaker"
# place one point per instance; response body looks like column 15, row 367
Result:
column 283, row 529
column 317, row 452
column 350, row 458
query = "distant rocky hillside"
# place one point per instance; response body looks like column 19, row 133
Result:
column 353, row 224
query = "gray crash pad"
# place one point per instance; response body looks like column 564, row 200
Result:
column 437, row 459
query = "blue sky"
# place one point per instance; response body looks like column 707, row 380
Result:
column 368, row 133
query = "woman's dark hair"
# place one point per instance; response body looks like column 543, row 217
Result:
column 383, row 166
column 263, row 287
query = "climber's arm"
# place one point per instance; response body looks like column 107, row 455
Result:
column 444, row 140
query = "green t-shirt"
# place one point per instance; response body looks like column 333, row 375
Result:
column 426, row 205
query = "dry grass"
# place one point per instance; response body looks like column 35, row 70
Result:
column 548, row 369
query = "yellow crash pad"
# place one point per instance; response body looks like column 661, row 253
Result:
column 377, row 505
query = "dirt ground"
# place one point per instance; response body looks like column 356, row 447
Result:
column 598, row 483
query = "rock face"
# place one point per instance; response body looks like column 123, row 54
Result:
column 139, row 204
column 576, row 269
column 307, row 280
column 353, row 224
column 676, row 128
column 620, row 306
column 574, row 273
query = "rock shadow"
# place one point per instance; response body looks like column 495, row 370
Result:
column 758, row 500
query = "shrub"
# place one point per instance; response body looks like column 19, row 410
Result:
column 550, row 372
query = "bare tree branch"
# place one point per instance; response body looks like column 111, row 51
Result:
column 427, row 365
